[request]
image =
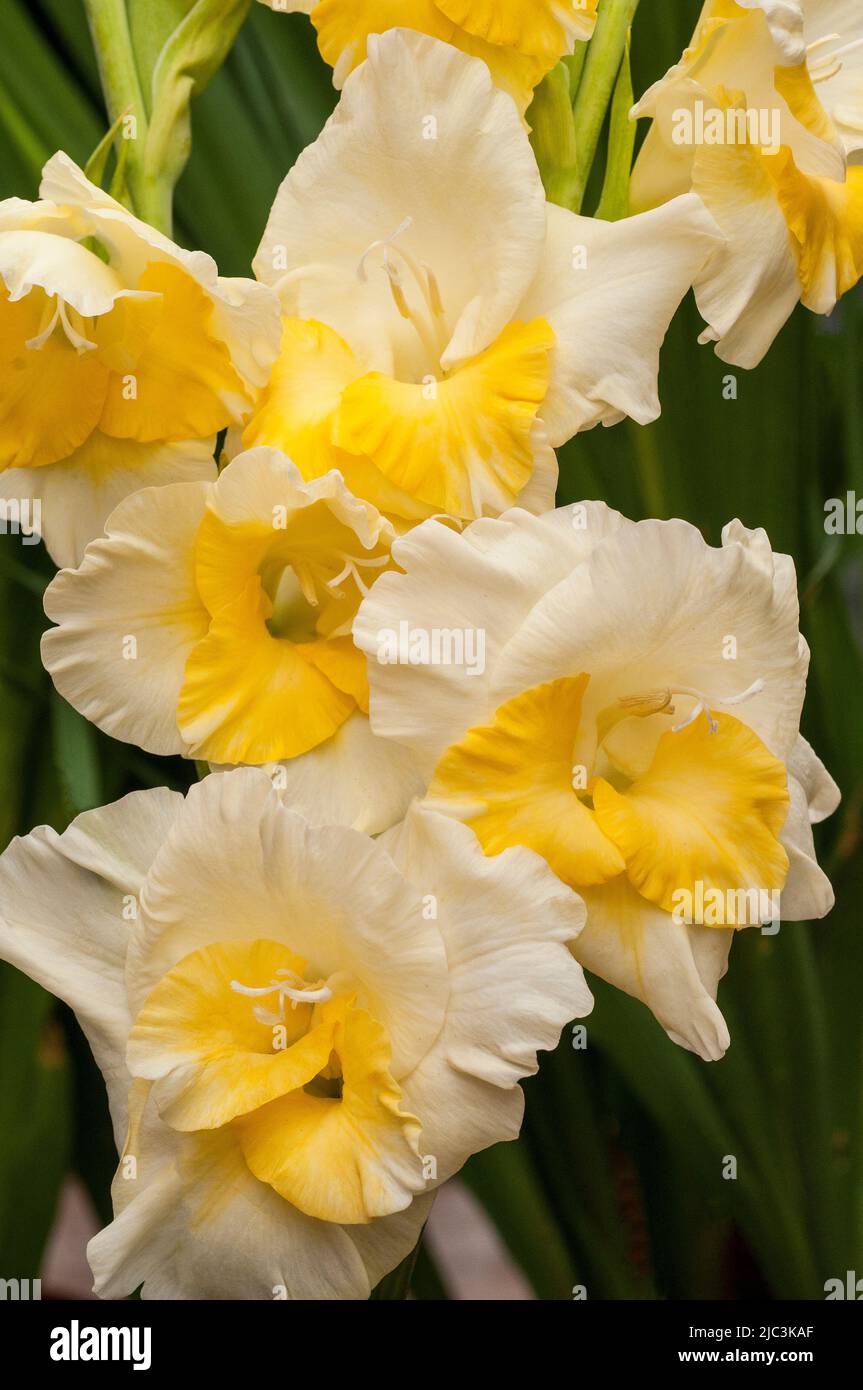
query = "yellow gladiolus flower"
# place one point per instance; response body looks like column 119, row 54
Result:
column 214, row 621
column 763, row 117
column 445, row 329
column 122, row 356
column 519, row 40
column 634, row 720
column 297, row 1049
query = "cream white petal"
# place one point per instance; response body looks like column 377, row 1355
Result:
column 785, row 19
column 750, row 286
column 506, row 922
column 642, row 950
column 60, row 267
column 711, row 948
column 384, row 1243
column 354, row 778
column 691, row 599
column 195, row 1224
column 420, row 133
column 259, row 480
column 66, row 912
column 133, row 244
column 737, row 54
column 240, row 866
column 136, row 583
column 484, row 581
column 41, row 216
column 662, row 170
column 538, row 494
column 822, row 794
column 609, row 291
column 79, row 494
column 247, row 317
column 808, row 893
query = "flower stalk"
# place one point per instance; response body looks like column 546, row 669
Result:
column 149, row 76
column 124, row 98
column 605, row 54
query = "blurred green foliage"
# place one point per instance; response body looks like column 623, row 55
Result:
column 617, row 1183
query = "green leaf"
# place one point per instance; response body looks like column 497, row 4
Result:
column 42, row 106
column 76, row 756
column 34, row 1122
column 98, row 162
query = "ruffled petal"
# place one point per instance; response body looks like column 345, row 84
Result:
column 68, row 904
column 129, row 618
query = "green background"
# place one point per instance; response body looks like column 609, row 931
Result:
column 617, row 1182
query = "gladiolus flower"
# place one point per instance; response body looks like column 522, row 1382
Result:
column 636, row 723
column 302, row 1032
column 122, row 356
column 445, row 329
column 214, row 621
column 760, row 117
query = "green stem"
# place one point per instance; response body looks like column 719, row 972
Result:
column 109, row 25
column 574, row 65
column 601, row 68
column 652, row 477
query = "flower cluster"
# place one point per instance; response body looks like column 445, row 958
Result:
column 461, row 744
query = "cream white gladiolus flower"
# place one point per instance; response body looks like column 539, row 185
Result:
column 302, row 1033
column 636, row 723
column 122, row 356
column 519, row 40
column 444, row 327
column 214, row 620
column 760, row 117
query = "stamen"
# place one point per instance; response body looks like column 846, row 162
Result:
column 61, row 315
column 298, row 992
column 431, row 326
column 78, row 341
column 847, row 48
column 434, row 292
column 41, row 338
column 829, row 64
column 822, row 42
column 704, row 703
column 822, row 72
column 351, row 570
